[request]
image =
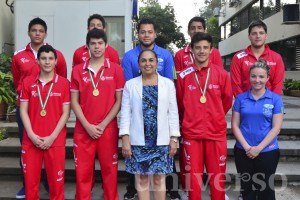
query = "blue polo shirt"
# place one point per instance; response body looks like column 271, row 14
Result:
column 165, row 66
column 256, row 117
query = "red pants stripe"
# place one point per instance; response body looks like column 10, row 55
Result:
column 85, row 149
column 54, row 162
column 212, row 155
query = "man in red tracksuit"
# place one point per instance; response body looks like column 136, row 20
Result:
column 96, row 93
column 204, row 97
column 45, row 110
column 24, row 64
column 82, row 53
column 243, row 60
column 184, row 58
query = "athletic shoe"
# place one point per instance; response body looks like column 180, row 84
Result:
column 184, row 196
column 226, row 197
column 21, row 193
column 130, row 195
column 174, row 195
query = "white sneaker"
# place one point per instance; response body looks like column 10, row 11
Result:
column 226, row 197
column 184, row 196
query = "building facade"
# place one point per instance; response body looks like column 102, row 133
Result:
column 281, row 17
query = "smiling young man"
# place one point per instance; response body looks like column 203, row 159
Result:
column 82, row 53
column 45, row 109
column 243, row 60
column 184, row 57
column 204, row 97
column 96, row 93
column 24, row 64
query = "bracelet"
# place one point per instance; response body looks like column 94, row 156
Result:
column 174, row 140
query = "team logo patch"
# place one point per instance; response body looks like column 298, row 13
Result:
column 191, row 87
column 268, row 110
column 186, row 72
column 242, row 54
column 222, row 160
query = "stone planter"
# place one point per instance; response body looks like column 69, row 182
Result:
column 293, row 93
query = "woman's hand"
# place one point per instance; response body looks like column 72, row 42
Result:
column 126, row 147
column 253, row 152
column 173, row 147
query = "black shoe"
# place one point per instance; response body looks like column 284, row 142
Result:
column 130, row 195
column 174, row 195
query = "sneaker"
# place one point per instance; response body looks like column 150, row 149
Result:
column 21, row 193
column 174, row 195
column 226, row 197
column 130, row 195
column 185, row 196
column 240, row 197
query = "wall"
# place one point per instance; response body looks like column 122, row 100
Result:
column 67, row 21
column 6, row 28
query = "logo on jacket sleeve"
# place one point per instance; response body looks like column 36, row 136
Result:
column 186, row 72
column 242, row 54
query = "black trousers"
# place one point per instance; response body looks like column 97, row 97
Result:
column 257, row 175
column 169, row 182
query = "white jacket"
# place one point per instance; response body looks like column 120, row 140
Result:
column 131, row 117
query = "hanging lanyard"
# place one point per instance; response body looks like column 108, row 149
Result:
column 203, row 92
column 43, row 112
column 96, row 91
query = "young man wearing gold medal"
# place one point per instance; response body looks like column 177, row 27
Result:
column 96, row 93
column 204, row 97
column 45, row 110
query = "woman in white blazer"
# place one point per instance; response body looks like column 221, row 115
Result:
column 149, row 126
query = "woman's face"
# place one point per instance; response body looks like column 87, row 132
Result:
column 148, row 63
column 258, row 78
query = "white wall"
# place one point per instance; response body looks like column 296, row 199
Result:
column 67, row 21
column 6, row 28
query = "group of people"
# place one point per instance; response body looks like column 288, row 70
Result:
column 163, row 103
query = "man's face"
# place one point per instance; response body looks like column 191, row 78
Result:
column 37, row 34
column 147, row 35
column 258, row 37
column 95, row 23
column 201, row 51
column 195, row 27
column 47, row 62
column 97, row 47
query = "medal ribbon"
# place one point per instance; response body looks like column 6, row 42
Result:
column 43, row 105
column 203, row 92
column 92, row 80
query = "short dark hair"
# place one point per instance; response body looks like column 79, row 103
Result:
column 147, row 50
column 96, row 33
column 261, row 63
column 201, row 36
column 96, row 16
column 46, row 48
column 257, row 23
column 39, row 21
column 145, row 21
column 197, row 19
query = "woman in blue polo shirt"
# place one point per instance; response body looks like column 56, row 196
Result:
column 256, row 121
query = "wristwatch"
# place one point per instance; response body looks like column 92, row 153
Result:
column 174, row 139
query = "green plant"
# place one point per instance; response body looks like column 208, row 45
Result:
column 5, row 63
column 291, row 84
column 6, row 93
column 3, row 134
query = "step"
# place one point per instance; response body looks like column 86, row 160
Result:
column 286, row 170
column 287, row 148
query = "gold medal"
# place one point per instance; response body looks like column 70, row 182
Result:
column 95, row 92
column 202, row 99
column 43, row 113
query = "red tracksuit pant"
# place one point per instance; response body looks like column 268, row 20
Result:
column 54, row 162
column 85, row 149
column 211, row 154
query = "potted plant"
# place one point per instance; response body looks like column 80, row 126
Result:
column 7, row 90
column 291, row 87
